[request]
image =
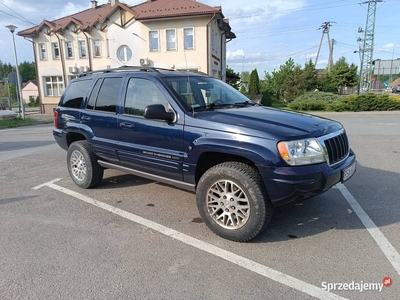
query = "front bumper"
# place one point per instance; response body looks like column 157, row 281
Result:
column 288, row 184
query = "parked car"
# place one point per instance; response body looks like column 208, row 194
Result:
column 396, row 88
column 196, row 132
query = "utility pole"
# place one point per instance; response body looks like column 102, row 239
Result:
column 367, row 46
column 325, row 30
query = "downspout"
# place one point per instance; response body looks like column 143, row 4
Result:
column 62, row 60
column 39, row 80
column 208, row 44
column 89, row 52
column 221, row 57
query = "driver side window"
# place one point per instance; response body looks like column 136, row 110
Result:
column 141, row 93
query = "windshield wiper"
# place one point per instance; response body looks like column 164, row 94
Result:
column 211, row 106
column 244, row 104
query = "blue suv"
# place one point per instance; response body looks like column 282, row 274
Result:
column 196, row 132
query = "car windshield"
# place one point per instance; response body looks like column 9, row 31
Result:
column 201, row 92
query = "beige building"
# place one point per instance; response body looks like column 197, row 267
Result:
column 177, row 34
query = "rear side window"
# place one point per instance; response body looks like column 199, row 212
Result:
column 107, row 95
column 75, row 93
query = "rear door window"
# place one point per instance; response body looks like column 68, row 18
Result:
column 75, row 93
column 107, row 96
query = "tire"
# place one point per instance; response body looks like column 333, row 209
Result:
column 233, row 202
column 83, row 166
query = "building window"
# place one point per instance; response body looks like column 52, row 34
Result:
column 56, row 50
column 171, row 39
column 69, row 49
column 42, row 51
column 96, row 48
column 82, row 49
column 153, row 38
column 124, row 53
column 188, row 38
column 54, row 86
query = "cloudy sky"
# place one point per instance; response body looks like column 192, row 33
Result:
column 268, row 32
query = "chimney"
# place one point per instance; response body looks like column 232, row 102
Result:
column 112, row 2
column 94, row 4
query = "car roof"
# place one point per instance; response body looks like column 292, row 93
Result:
column 152, row 71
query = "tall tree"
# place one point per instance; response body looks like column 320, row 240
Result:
column 344, row 74
column 27, row 71
column 254, row 84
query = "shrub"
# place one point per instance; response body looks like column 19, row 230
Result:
column 314, row 101
column 367, row 102
column 266, row 99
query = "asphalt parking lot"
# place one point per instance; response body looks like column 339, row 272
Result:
column 132, row 238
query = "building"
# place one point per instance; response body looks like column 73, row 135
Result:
column 176, row 34
column 30, row 91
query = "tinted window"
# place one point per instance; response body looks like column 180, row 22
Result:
column 75, row 93
column 107, row 98
column 140, row 93
column 93, row 95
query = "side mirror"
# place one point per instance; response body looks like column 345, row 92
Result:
column 157, row 111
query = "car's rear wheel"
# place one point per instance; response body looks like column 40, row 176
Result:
column 233, row 202
column 83, row 166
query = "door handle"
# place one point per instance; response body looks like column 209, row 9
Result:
column 126, row 125
column 85, row 118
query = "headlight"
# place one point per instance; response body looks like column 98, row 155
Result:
column 301, row 152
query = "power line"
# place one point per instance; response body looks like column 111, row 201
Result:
column 288, row 11
column 23, row 18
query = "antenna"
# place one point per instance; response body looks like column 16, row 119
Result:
column 367, row 46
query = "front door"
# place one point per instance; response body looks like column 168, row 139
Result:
column 153, row 146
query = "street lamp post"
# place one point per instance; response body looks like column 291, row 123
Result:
column 21, row 101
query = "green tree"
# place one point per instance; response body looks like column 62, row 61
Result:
column 5, row 69
column 254, row 83
column 245, row 76
column 344, row 74
column 341, row 74
column 27, row 71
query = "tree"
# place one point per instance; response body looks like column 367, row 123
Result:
column 341, row 74
column 280, row 83
column 27, row 71
column 344, row 74
column 245, row 76
column 5, row 69
column 232, row 78
column 254, row 83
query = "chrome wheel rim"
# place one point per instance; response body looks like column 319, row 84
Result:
column 228, row 204
column 78, row 165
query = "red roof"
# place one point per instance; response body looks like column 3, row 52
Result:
column 151, row 9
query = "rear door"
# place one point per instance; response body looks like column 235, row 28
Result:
column 99, row 118
column 153, row 146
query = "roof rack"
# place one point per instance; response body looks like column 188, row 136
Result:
column 124, row 69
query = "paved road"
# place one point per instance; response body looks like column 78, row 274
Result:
column 132, row 238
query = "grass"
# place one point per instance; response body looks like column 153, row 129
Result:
column 15, row 122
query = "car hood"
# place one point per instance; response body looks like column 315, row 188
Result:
column 259, row 120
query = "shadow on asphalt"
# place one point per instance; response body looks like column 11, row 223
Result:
column 373, row 189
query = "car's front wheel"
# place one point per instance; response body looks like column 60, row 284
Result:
column 233, row 202
column 83, row 166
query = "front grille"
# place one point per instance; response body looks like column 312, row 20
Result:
column 337, row 148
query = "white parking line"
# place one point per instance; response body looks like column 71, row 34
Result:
column 387, row 248
column 209, row 248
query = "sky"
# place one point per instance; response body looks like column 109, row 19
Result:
column 268, row 32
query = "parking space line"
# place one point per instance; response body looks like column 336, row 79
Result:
column 387, row 248
column 206, row 247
